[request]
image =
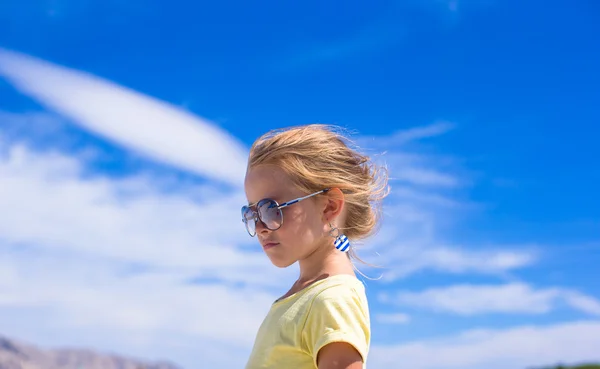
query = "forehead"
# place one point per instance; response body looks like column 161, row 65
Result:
column 267, row 181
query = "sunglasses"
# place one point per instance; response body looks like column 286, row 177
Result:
column 268, row 212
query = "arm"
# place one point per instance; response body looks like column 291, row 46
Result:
column 339, row 355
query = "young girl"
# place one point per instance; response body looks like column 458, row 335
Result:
column 310, row 196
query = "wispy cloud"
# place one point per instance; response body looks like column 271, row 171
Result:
column 409, row 135
column 395, row 318
column 420, row 206
column 407, row 259
column 120, row 260
column 148, row 126
column 580, row 301
column 519, row 347
column 49, row 202
column 418, row 133
column 468, row 299
column 425, row 177
column 411, row 165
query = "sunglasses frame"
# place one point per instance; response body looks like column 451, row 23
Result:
column 256, row 216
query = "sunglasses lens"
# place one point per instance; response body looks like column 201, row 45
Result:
column 270, row 214
column 249, row 221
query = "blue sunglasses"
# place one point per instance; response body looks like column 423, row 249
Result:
column 268, row 212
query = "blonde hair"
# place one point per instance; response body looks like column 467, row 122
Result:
column 318, row 156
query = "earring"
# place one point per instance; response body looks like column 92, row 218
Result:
column 341, row 242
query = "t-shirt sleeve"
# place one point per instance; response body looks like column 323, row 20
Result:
column 337, row 314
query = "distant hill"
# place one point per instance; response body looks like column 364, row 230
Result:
column 18, row 355
column 581, row 366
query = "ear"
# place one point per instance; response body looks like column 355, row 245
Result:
column 334, row 205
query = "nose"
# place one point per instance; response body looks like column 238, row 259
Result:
column 261, row 227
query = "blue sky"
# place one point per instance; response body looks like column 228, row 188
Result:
column 486, row 110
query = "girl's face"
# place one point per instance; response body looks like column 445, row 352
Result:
column 304, row 227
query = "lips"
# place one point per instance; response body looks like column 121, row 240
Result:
column 269, row 245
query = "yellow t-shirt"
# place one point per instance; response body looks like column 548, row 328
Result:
column 333, row 309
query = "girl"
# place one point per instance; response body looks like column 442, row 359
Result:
column 310, row 197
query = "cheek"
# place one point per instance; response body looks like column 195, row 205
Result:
column 293, row 221
column 299, row 226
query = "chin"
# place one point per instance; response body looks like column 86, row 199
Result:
column 281, row 263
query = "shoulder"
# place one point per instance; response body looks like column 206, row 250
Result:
column 338, row 313
column 341, row 292
column 340, row 285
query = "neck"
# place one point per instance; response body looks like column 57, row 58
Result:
column 324, row 261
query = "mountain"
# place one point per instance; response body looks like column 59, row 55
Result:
column 583, row 366
column 18, row 355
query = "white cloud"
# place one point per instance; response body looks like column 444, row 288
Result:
column 425, row 177
column 419, row 133
column 420, row 207
column 88, row 293
column 138, row 122
column 404, row 193
column 581, row 302
column 110, row 261
column 466, row 299
column 70, row 301
column 402, row 138
column 396, row 318
column 519, row 347
column 412, row 238
column 46, row 201
column 406, row 259
column 49, row 202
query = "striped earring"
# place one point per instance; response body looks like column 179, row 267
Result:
column 341, row 242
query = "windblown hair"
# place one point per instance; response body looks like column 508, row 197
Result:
column 318, row 156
